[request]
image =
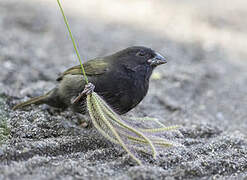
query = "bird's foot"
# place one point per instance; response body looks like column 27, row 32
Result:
column 84, row 122
column 89, row 88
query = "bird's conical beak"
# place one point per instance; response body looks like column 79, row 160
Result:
column 158, row 59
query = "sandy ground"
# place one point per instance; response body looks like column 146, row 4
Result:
column 202, row 87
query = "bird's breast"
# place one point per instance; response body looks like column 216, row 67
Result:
column 122, row 90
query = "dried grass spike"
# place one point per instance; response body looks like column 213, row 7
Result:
column 93, row 100
column 115, row 117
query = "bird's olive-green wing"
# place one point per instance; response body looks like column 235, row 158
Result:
column 92, row 67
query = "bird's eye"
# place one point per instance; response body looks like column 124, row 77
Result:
column 140, row 53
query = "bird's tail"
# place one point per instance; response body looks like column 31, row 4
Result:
column 36, row 100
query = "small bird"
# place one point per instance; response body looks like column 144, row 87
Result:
column 121, row 79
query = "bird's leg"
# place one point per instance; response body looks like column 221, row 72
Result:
column 84, row 122
column 89, row 88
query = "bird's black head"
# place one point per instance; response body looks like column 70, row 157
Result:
column 139, row 55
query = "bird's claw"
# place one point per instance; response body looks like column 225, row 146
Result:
column 89, row 88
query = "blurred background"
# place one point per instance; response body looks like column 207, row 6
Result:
column 202, row 87
column 204, row 41
column 210, row 23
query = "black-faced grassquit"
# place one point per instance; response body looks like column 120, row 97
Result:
column 121, row 79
